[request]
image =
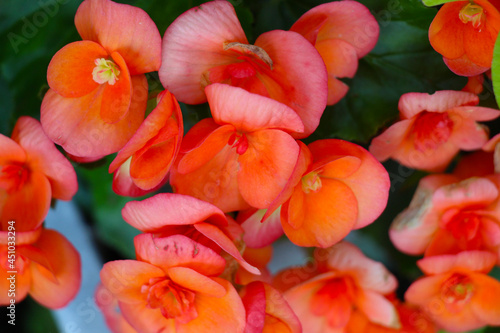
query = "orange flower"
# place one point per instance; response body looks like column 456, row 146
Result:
column 456, row 292
column 108, row 304
column 243, row 156
column 348, row 281
column 47, row 265
column 433, row 128
column 336, row 186
column 98, row 91
column 464, row 33
column 447, row 216
column 143, row 164
column 342, row 32
column 207, row 45
column 173, row 287
column 267, row 310
column 32, row 172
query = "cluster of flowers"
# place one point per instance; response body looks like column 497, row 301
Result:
column 243, row 178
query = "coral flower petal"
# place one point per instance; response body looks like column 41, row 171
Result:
column 411, row 104
column 470, row 192
column 21, row 283
column 10, row 151
column 70, row 70
column 145, row 319
column 266, row 166
column 259, row 234
column 188, row 43
column 487, row 293
column 44, row 156
column 168, row 209
column 446, row 31
column 66, row 267
column 478, row 261
column 22, row 237
column 206, row 150
column 258, row 112
column 192, row 280
column 124, row 185
column 327, row 216
column 387, row 143
column 124, row 278
column 116, row 98
column 36, row 194
column 464, row 66
column 178, row 250
column 121, row 28
column 378, row 309
column 75, row 124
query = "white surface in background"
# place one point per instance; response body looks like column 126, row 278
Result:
column 82, row 314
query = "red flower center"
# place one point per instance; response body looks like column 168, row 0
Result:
column 431, row 129
column 172, row 300
column 238, row 141
column 13, row 177
column 457, row 290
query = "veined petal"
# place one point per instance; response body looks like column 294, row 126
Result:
column 193, row 44
column 75, row 123
column 70, row 70
column 256, row 113
column 467, row 193
column 45, row 157
column 477, row 261
column 178, row 250
column 121, row 28
column 124, row 278
column 411, row 104
column 266, row 166
column 168, row 209
column 66, row 267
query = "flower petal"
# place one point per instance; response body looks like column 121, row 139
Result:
column 66, row 267
column 168, row 209
column 259, row 234
column 477, row 261
column 485, row 304
column 378, row 309
column 121, row 28
column 192, row 280
column 386, row 144
column 70, row 70
column 411, row 104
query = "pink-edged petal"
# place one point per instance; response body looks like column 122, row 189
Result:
column 45, row 157
column 477, row 261
column 345, row 20
column 168, row 209
column 121, row 28
column 35, row 194
column 144, row 319
column 216, row 235
column 258, row 112
column 192, row 280
column 303, row 161
column 254, row 300
column 75, row 123
column 492, row 143
column 206, row 149
column 378, row 309
column 469, row 136
column 359, row 170
column 411, row 104
column 70, row 70
column 108, row 305
column 371, row 275
column 463, row 66
column 178, row 250
column 266, row 166
column 116, row 98
column 66, row 268
column 298, row 79
column 259, row 234
column 477, row 113
column 467, row 193
column 384, row 145
column 124, row 278
column 193, row 44
column 123, row 184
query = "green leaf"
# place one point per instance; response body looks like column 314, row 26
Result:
column 431, row 3
column 495, row 69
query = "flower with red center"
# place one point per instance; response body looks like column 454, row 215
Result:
column 98, row 91
column 243, row 156
column 207, row 45
column 347, row 281
column 447, row 216
column 342, row 32
column 172, row 286
column 47, row 267
column 267, row 310
column 335, row 187
column 170, row 214
column 464, row 33
column 32, row 172
column 143, row 164
column 433, row 128
column 456, row 292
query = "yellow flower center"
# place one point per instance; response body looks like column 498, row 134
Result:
column 472, row 13
column 311, row 182
column 105, row 71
